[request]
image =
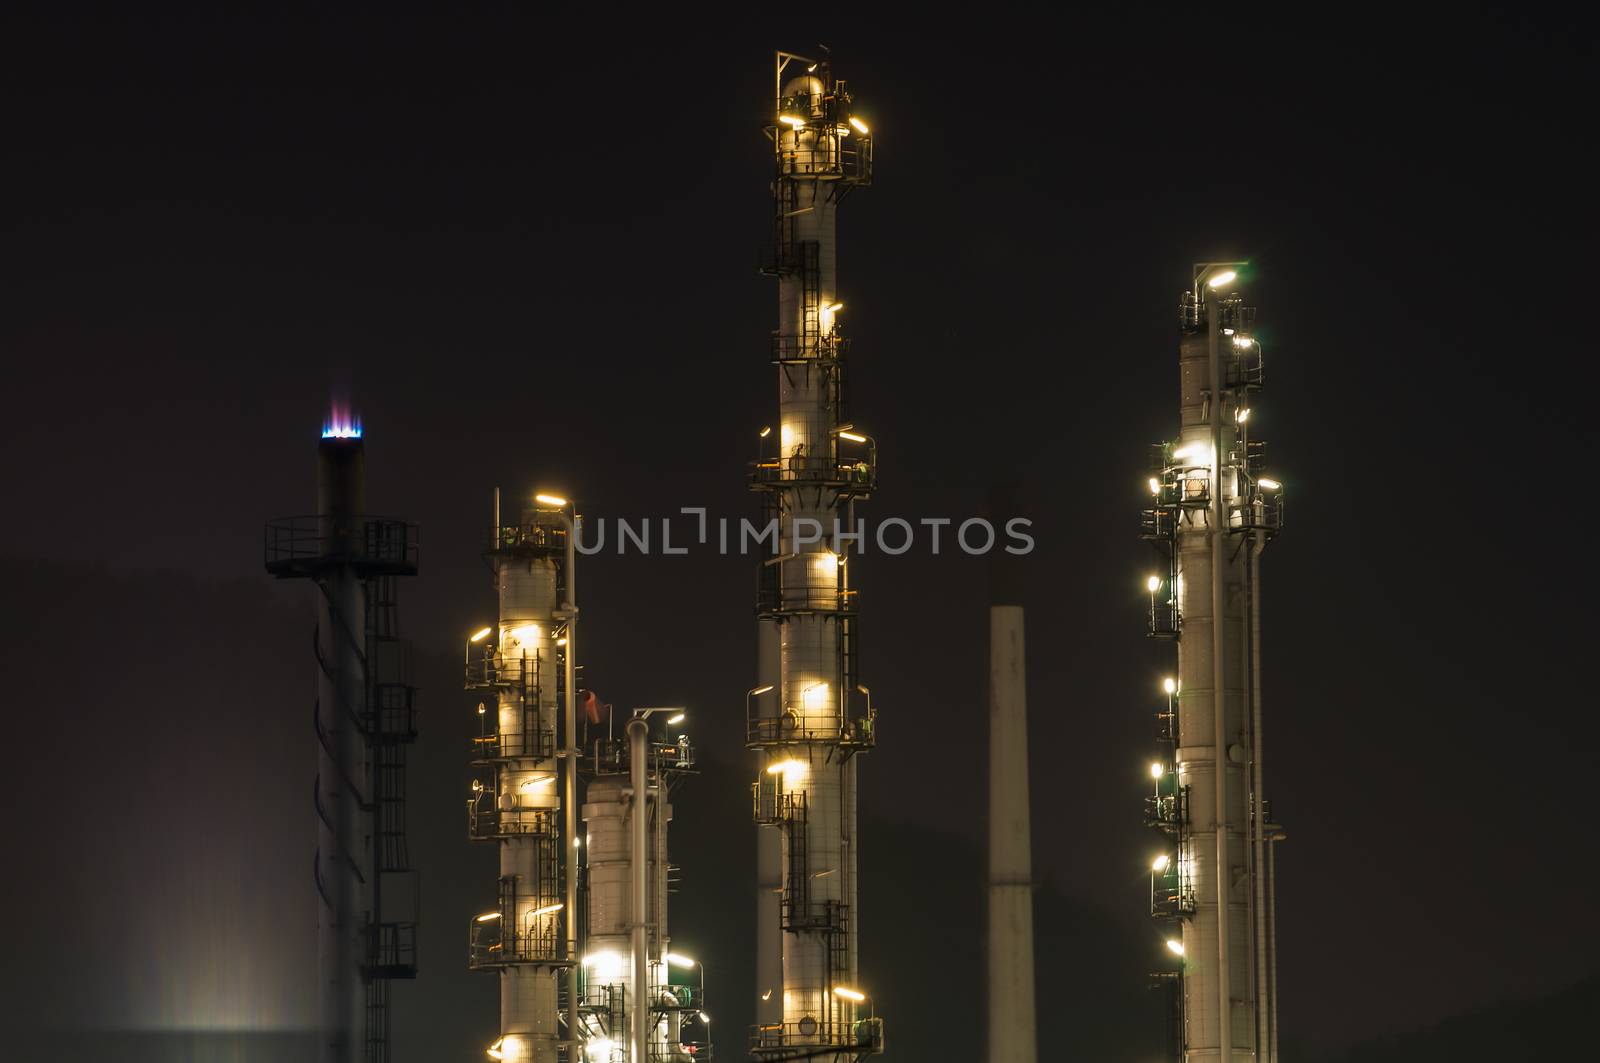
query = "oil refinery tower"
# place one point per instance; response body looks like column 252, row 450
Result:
column 365, row 719
column 1213, row 512
column 524, row 792
column 809, row 715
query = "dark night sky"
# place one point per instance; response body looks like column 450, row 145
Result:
column 529, row 248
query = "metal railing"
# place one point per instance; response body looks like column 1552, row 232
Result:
column 864, row 1034
column 538, row 744
column 833, row 728
column 375, row 545
column 823, row 470
column 537, row 538
column 800, row 350
column 391, row 950
column 773, row 596
column 489, row 948
column 487, row 822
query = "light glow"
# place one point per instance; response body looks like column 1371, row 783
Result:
column 488, row 917
column 1242, row 415
column 1155, row 486
column 859, row 125
column 481, row 635
column 1268, row 484
column 792, row 120
column 1160, row 863
column 677, row 959
column 1170, row 685
column 676, row 719
column 849, row 994
column 854, row 437
column 1227, row 276
column 1156, row 770
column 341, row 423
column 1243, row 342
column 1175, row 946
column 761, row 690
column 551, row 500
column 525, row 634
column 549, row 909
column 766, row 430
column 599, row 1049
column 1152, row 584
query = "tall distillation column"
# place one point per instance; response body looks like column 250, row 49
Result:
column 365, row 719
column 523, row 791
column 1213, row 512
column 810, row 715
column 675, row 1025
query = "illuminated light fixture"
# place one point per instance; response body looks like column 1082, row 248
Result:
column 677, row 959
column 1242, row 415
column 860, row 126
column 1243, row 341
column 812, row 69
column 1155, row 486
column 488, row 917
column 1227, row 332
column 1227, row 276
column 767, row 995
column 675, row 720
column 849, row 994
column 528, row 784
column 833, row 308
column 1170, row 685
column 854, row 437
column 524, row 634
column 794, row 121
column 549, row 909
column 1152, row 584
column 1266, row 483
column 704, row 1017
column 1175, row 946
column 494, row 1052
column 1184, row 451
column 481, row 635
column 550, row 500
column 766, row 430
column 1160, row 863
column 761, row 690
column 562, row 641
column 1156, row 770
column 786, row 767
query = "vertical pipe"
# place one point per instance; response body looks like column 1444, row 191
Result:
column 769, row 856
column 569, row 796
column 1012, row 1034
column 1218, row 689
column 1258, row 838
column 638, row 752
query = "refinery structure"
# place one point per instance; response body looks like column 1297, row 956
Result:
column 809, row 714
column 1213, row 511
column 578, row 933
column 575, row 799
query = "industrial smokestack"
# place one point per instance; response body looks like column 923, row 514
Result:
column 1013, row 1037
column 365, row 719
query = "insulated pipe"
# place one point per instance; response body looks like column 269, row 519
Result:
column 569, row 796
column 638, row 752
column 1224, row 874
column 1013, row 1035
column 1259, row 822
column 769, row 851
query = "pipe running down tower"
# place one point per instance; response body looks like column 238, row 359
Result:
column 365, row 719
column 524, row 792
column 1013, row 1031
column 1213, row 512
column 809, row 715
column 624, row 947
